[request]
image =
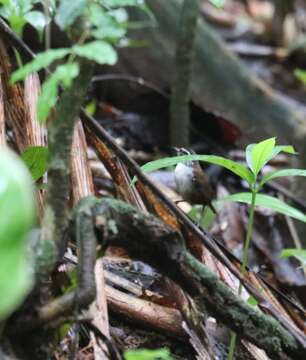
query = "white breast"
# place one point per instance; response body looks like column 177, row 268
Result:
column 183, row 178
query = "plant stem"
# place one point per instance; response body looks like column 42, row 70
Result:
column 243, row 266
column 180, row 94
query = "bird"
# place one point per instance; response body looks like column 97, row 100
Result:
column 191, row 181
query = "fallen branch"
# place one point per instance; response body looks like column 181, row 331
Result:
column 147, row 238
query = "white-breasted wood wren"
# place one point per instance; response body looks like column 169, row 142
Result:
column 191, row 181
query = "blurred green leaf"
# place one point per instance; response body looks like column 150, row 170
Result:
column 36, row 159
column 252, row 301
column 106, row 26
column 268, row 202
column 37, row 19
column 64, row 74
column 233, row 166
column 257, row 155
column 144, row 354
column 41, row 61
column 282, row 173
column 68, row 12
column 119, row 3
column 299, row 254
column 91, row 107
column 17, row 210
column 98, row 51
column 217, row 3
column 300, row 74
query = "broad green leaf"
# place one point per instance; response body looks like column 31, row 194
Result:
column 300, row 74
column 282, row 173
column 144, row 354
column 41, row 61
column 17, row 209
column 64, row 74
column 233, row 166
column 37, row 19
column 268, row 202
column 259, row 154
column 277, row 149
column 99, row 51
column 36, row 159
column 299, row 254
column 68, row 12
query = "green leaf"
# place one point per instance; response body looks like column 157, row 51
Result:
column 64, row 74
column 41, row 61
column 268, row 202
column 106, row 25
column 143, row 354
column 258, row 155
column 99, row 51
column 217, row 3
column 37, row 19
column 248, row 155
column 282, row 173
column 68, row 12
column 233, row 166
column 282, row 148
column 36, row 159
column 299, row 254
column 300, row 74
column 252, row 301
column 17, row 23
column 91, row 107
column 119, row 3
column 17, row 209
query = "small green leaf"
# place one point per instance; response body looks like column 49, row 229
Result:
column 268, row 202
column 299, row 254
column 64, row 74
column 233, row 166
column 41, row 61
column 252, row 301
column 68, row 12
column 91, row 107
column 282, row 148
column 248, row 155
column 300, row 74
column 17, row 210
column 37, row 19
column 282, row 173
column 99, row 51
column 258, row 155
column 36, row 159
column 144, row 354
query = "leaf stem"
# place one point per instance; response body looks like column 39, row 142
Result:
column 243, row 266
